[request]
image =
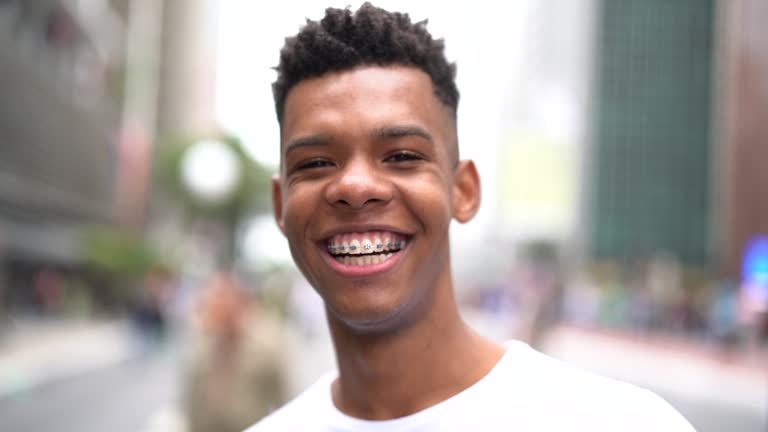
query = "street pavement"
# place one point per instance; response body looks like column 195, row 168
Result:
column 135, row 395
column 87, row 377
column 36, row 351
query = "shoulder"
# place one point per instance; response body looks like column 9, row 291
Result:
column 306, row 412
column 588, row 399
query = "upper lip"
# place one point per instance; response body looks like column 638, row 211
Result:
column 356, row 228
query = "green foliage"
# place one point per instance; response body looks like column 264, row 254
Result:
column 122, row 254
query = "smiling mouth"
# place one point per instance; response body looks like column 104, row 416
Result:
column 365, row 248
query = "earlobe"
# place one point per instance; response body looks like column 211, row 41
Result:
column 277, row 202
column 466, row 191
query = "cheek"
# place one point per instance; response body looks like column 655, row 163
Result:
column 298, row 208
column 297, row 214
column 430, row 200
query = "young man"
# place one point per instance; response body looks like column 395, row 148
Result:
column 370, row 180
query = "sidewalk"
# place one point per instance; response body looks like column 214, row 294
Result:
column 34, row 352
column 683, row 368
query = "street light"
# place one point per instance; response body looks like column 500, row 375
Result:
column 211, row 171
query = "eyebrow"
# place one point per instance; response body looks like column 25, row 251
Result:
column 390, row 132
column 385, row 132
column 307, row 141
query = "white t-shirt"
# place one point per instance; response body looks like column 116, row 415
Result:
column 525, row 391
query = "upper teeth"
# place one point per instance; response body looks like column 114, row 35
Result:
column 365, row 243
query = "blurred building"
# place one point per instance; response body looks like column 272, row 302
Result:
column 677, row 156
column 58, row 71
column 546, row 112
column 633, row 129
column 186, row 99
column 184, row 105
column 651, row 175
column 88, row 88
column 741, row 129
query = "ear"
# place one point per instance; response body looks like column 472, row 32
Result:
column 466, row 191
column 277, row 202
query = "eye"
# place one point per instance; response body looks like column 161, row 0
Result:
column 312, row 164
column 403, row 156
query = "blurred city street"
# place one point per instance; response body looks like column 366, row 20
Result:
column 623, row 229
column 135, row 388
column 80, row 377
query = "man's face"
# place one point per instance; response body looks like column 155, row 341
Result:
column 368, row 186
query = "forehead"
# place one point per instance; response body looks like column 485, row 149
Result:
column 364, row 98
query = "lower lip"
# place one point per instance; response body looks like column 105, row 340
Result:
column 363, row 270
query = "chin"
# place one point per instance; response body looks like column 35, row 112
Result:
column 372, row 315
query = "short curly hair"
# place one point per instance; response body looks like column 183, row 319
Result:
column 370, row 36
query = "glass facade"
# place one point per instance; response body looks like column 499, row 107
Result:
column 651, row 142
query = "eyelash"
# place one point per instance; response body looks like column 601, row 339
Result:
column 403, row 156
column 312, row 164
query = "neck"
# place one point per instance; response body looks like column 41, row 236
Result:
column 397, row 373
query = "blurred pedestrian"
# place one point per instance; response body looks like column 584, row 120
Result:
column 235, row 374
column 148, row 310
column 754, row 292
column 539, row 283
column 723, row 320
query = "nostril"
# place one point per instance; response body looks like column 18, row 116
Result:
column 358, row 190
column 359, row 201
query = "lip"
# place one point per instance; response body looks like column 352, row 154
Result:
column 350, row 228
column 369, row 270
column 364, row 270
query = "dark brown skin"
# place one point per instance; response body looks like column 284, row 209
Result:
column 372, row 147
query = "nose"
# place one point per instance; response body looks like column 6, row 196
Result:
column 359, row 184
